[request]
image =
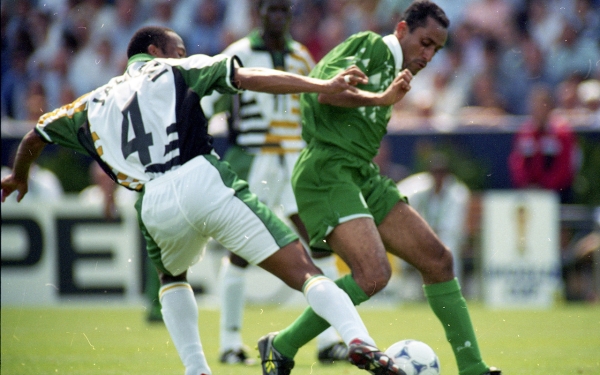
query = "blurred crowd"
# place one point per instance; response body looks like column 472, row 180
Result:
column 55, row 50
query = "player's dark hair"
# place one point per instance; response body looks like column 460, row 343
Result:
column 260, row 3
column 417, row 13
column 144, row 37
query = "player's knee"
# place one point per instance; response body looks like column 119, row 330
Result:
column 440, row 265
column 375, row 278
column 168, row 279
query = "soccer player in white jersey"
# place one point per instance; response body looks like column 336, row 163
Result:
column 142, row 127
column 265, row 142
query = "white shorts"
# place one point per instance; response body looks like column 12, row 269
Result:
column 270, row 178
column 182, row 209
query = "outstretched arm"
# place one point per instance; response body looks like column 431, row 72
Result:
column 29, row 150
column 360, row 98
column 280, row 82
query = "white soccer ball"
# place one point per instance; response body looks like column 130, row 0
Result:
column 414, row 357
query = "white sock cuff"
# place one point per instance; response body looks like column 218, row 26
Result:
column 313, row 282
column 173, row 287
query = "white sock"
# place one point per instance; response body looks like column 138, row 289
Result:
column 329, row 268
column 180, row 314
column 333, row 304
column 232, row 305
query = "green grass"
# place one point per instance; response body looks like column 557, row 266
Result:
column 108, row 340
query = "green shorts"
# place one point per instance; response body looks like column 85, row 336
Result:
column 239, row 160
column 333, row 187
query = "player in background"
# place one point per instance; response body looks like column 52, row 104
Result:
column 265, row 142
column 145, row 130
column 350, row 209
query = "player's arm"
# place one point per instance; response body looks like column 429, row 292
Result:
column 29, row 150
column 280, row 82
column 361, row 98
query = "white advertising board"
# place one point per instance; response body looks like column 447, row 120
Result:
column 520, row 248
column 66, row 252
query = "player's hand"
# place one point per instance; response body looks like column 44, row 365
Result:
column 399, row 87
column 347, row 80
column 10, row 184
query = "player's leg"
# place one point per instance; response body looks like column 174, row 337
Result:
column 330, row 346
column 232, row 292
column 292, row 264
column 269, row 243
column 407, row 235
column 357, row 242
column 174, row 219
column 151, row 288
column 233, row 280
column 180, row 314
column 329, row 197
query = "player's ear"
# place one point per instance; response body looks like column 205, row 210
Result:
column 154, row 51
column 401, row 30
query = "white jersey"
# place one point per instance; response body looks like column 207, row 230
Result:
column 147, row 121
column 261, row 122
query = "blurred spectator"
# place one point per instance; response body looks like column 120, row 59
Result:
column 573, row 53
column 162, row 12
column 589, row 95
column 239, row 19
column 544, row 149
column 587, row 15
column 54, row 77
column 117, row 24
column 568, row 104
column 35, row 103
column 207, row 32
column 492, row 19
column 14, row 87
column 522, row 67
column 93, row 66
column 544, row 23
column 486, row 89
column 438, row 195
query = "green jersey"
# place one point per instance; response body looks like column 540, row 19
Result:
column 356, row 130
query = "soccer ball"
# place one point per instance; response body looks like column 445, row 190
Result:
column 414, row 357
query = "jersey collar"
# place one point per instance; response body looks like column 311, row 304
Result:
column 257, row 42
column 139, row 57
column 394, row 46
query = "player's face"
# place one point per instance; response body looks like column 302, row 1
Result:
column 420, row 45
column 276, row 16
column 174, row 48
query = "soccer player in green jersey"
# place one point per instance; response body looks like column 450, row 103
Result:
column 145, row 129
column 350, row 209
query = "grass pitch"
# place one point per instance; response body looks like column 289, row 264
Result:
column 109, row 340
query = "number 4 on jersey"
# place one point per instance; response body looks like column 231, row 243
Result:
column 141, row 141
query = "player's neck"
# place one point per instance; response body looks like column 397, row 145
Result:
column 274, row 42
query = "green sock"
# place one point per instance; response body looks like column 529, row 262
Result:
column 450, row 307
column 309, row 325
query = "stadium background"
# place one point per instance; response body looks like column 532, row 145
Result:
column 468, row 103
